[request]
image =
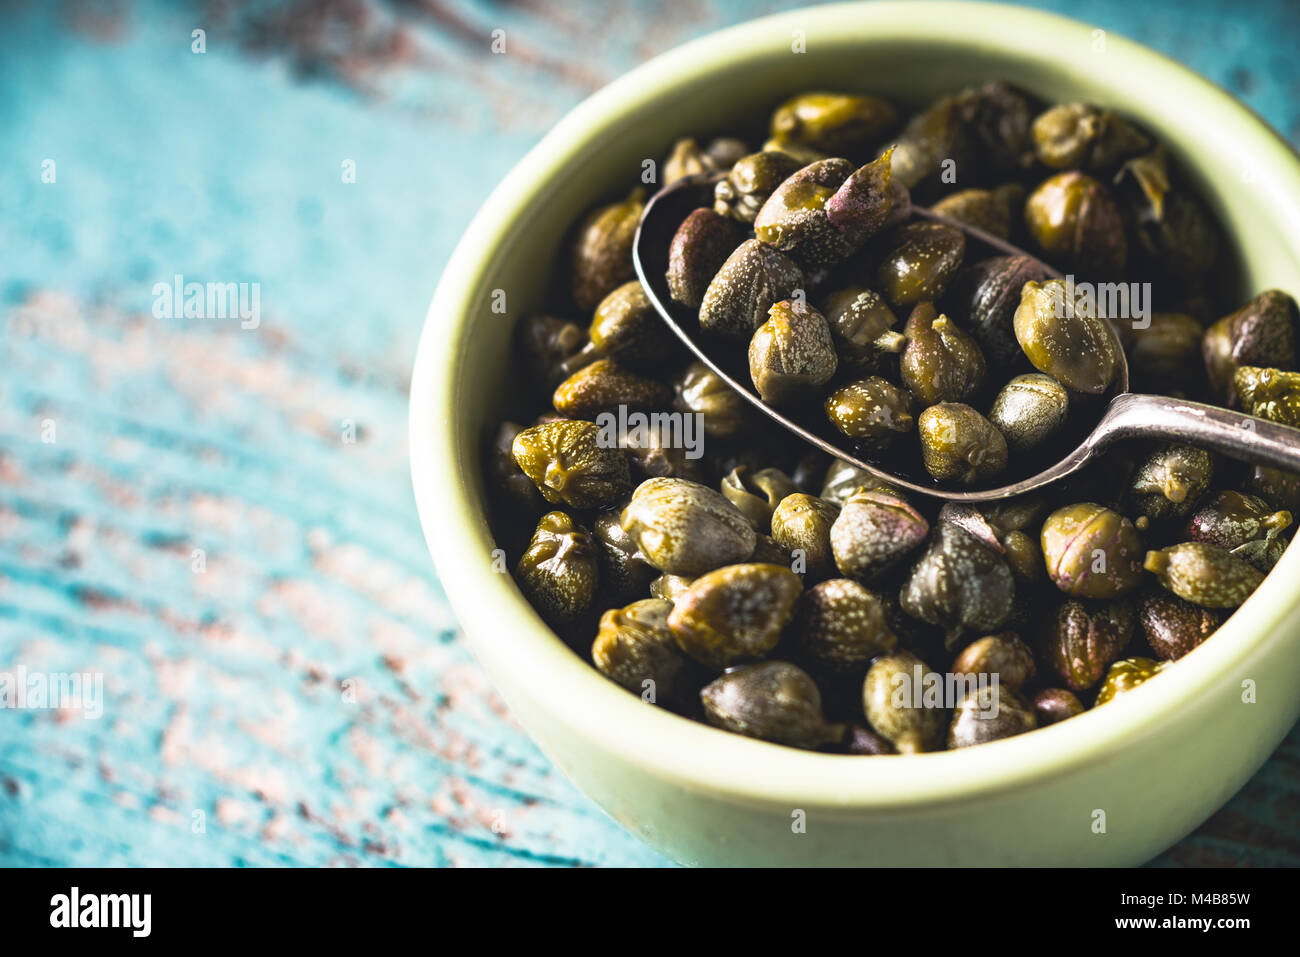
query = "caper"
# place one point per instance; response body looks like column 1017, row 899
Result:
column 1029, row 410
column 962, row 583
column 1163, row 351
column 685, row 528
column 1174, row 627
column 604, row 386
column 1269, row 394
column 560, row 570
column 625, row 327
column 840, row 626
column 1062, row 336
column 757, row 493
column 1003, row 655
column 862, row 327
column 801, row 525
column 843, row 479
column 701, row 245
column 836, row 123
column 1091, row 551
column 920, row 260
column 700, row 391
column 989, row 714
column 1279, row 488
column 1260, row 333
column 625, row 572
column 861, row 740
column 872, row 411
column 1054, row 705
column 960, row 445
column 1204, row 574
column 772, row 701
column 874, row 531
column 1082, row 136
column 1175, row 235
column 982, row 208
column 791, row 355
column 1083, row 639
column 1230, row 519
column 893, row 699
column 734, row 613
column 767, row 551
column 800, row 153
column 688, row 158
column 1125, row 675
column 750, row 182
column 546, row 345
column 1077, row 223
column 941, row 363
column 670, row 587
column 1169, row 481
column 568, row 464
column 505, row 476
column 987, row 294
column 635, row 649
column 601, row 257
column 755, row 277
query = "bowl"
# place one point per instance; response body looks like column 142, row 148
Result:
column 1114, row 786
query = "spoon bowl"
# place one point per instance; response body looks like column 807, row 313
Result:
column 1094, row 424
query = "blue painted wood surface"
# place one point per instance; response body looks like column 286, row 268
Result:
column 302, row 697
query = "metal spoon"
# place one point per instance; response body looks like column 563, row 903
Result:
column 1119, row 414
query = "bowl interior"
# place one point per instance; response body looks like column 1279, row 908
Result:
column 909, row 53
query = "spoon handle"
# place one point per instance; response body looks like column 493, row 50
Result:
column 1234, row 434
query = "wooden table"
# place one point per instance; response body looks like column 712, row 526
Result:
column 219, row 519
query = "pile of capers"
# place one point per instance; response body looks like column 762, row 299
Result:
column 743, row 580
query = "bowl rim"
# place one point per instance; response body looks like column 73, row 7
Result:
column 692, row 755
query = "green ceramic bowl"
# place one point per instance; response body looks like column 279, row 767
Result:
column 1114, row 786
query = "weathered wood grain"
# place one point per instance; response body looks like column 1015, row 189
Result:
column 303, row 694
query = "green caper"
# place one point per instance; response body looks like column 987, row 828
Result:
column 567, row 462
column 982, row 208
column 670, row 587
column 635, row 649
column 734, row 613
column 754, row 278
column 767, row 551
column 791, row 355
column 1279, row 488
column 1204, row 574
column 750, row 182
column 757, row 493
column 1269, row 394
column 1091, row 551
column 836, row 123
column 840, row 626
column 893, row 698
column 701, row 391
column 1024, row 556
column 1062, row 336
column 505, row 476
column 861, row 740
column 625, row 573
column 604, row 386
column 1233, row 519
column 1004, row 655
column 1077, row 223
column 941, row 363
column 685, row 528
column 1054, row 705
column 1084, row 637
column 875, row 530
column 872, row 411
column 601, row 257
column 547, row 345
column 799, row 152
column 801, row 525
column 1125, row 675
column 1169, row 481
column 987, row 294
column 772, row 701
column 1175, row 235
column 688, row 158
column 920, row 260
column 626, row 327
column 1082, row 136
column 1163, row 351
column 1260, row 333
column 1029, row 410
column 843, row 479
column 560, row 570
column 962, row 583
column 1174, row 627
column 960, row 445
column 862, row 326
column 698, row 250
column 989, row 714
